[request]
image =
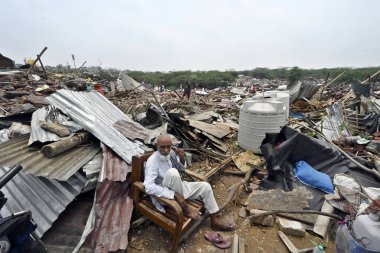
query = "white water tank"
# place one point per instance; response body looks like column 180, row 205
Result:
column 277, row 95
column 259, row 116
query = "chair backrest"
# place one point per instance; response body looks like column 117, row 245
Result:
column 138, row 164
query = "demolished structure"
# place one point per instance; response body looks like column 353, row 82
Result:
column 314, row 165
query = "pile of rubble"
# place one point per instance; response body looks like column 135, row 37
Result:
column 75, row 133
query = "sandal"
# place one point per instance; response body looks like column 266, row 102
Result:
column 217, row 240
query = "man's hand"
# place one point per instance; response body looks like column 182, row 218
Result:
column 180, row 152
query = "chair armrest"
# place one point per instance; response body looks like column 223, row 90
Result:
column 172, row 204
column 140, row 186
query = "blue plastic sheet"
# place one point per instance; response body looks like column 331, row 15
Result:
column 309, row 176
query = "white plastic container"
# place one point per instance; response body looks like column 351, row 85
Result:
column 366, row 229
column 257, row 117
column 277, row 95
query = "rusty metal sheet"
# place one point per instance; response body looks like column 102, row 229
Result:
column 114, row 168
column 61, row 167
column 109, row 221
column 133, row 130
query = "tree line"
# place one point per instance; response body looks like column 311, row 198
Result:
column 213, row 79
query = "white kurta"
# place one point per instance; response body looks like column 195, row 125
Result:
column 162, row 180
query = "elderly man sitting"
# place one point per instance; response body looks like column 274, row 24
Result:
column 162, row 179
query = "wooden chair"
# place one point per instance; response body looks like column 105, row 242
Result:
column 173, row 220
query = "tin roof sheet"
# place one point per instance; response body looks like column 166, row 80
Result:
column 44, row 197
column 61, row 167
column 97, row 114
column 114, row 168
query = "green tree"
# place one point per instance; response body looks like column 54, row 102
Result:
column 295, row 74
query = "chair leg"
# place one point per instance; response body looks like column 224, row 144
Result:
column 175, row 242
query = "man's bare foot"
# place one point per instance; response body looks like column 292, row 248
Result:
column 190, row 212
column 186, row 208
column 218, row 224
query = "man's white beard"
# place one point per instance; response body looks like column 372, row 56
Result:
column 164, row 158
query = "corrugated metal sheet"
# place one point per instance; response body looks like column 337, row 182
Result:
column 133, row 130
column 308, row 90
column 92, row 170
column 60, row 167
column 114, row 168
column 97, row 115
column 45, row 198
column 109, row 221
column 93, row 166
column 294, row 92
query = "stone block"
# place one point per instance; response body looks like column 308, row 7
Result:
column 290, row 227
column 242, row 212
column 263, row 220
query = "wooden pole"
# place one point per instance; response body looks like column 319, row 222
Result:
column 334, row 216
column 43, row 68
column 61, row 146
column 366, row 80
column 58, row 129
column 222, row 164
column 38, row 57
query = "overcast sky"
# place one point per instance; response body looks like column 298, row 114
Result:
column 167, row 35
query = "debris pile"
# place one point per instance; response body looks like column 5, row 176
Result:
column 77, row 132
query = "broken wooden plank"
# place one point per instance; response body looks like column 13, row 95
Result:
column 204, row 116
column 231, row 124
column 216, row 142
column 223, row 126
column 209, row 128
column 235, row 244
column 287, row 242
column 241, row 245
column 221, row 165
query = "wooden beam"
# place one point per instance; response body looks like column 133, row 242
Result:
column 291, row 247
column 38, row 57
column 58, row 129
column 61, row 146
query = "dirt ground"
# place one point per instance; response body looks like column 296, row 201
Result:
column 258, row 239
